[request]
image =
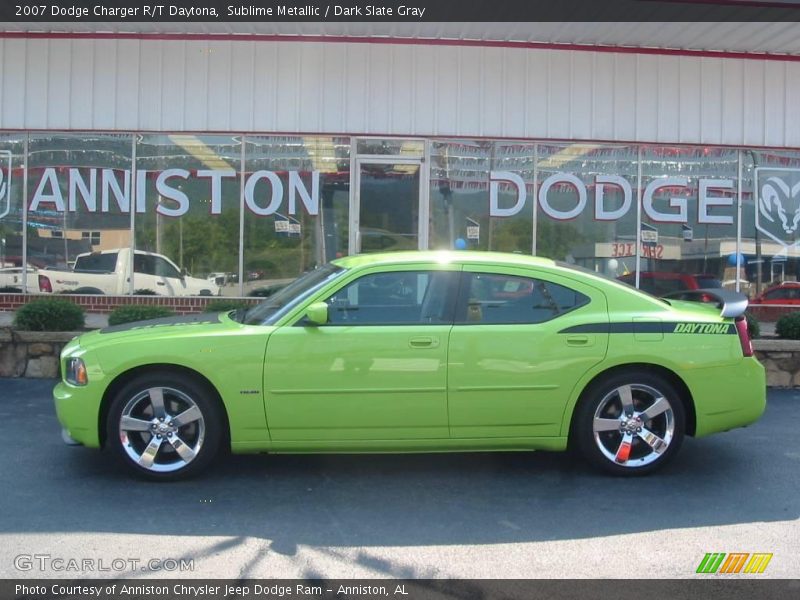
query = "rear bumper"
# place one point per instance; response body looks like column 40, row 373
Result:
column 728, row 397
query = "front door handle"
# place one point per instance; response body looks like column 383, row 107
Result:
column 424, row 342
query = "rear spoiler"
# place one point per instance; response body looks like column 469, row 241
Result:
column 732, row 304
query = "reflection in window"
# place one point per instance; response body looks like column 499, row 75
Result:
column 397, row 298
column 508, row 299
column 297, row 198
column 187, row 211
column 79, row 194
column 460, row 196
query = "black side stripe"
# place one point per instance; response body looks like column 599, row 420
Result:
column 678, row 327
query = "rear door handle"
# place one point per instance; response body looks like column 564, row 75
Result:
column 160, row 283
column 578, row 340
column 424, row 342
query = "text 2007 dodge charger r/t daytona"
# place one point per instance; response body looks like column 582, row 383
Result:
column 419, row 351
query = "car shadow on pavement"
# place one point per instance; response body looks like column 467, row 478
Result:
column 394, row 500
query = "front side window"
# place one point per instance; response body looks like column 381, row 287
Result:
column 489, row 298
column 144, row 264
column 164, row 269
column 395, row 298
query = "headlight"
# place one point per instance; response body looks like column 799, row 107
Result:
column 76, row 372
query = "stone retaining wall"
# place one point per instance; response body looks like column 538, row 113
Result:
column 781, row 359
column 35, row 354
column 31, row 353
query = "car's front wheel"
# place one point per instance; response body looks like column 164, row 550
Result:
column 631, row 423
column 164, row 426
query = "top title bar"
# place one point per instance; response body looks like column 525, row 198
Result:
column 205, row 11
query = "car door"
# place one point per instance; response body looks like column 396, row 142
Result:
column 512, row 361
column 376, row 371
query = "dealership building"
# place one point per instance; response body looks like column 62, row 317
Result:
column 248, row 153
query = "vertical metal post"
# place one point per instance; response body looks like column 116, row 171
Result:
column 132, row 202
column 241, row 215
column 535, row 197
column 424, row 198
column 638, row 214
column 24, row 213
column 738, row 217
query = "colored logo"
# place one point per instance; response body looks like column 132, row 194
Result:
column 5, row 183
column 735, row 562
column 778, row 204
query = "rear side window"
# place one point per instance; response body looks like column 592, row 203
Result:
column 490, row 298
column 98, row 263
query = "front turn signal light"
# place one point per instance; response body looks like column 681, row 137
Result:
column 76, row 372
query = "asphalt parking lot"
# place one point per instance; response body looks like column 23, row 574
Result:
column 527, row 515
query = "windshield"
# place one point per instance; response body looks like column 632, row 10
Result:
column 275, row 307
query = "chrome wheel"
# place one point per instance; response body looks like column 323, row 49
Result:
column 162, row 429
column 633, row 425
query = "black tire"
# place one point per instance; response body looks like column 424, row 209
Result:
column 605, row 448
column 184, row 449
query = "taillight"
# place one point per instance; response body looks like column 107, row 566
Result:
column 744, row 336
column 44, row 284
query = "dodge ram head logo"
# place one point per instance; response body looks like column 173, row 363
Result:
column 778, row 204
column 5, row 183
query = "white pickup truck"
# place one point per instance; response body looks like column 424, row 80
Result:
column 109, row 272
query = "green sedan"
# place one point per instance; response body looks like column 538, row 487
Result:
column 419, row 351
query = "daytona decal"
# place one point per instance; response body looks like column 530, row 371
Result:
column 701, row 328
column 654, row 327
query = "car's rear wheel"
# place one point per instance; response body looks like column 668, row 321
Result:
column 631, row 423
column 165, row 426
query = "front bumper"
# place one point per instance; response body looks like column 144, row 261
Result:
column 78, row 411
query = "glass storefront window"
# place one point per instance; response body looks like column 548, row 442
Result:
column 481, row 196
column 587, row 206
column 12, row 157
column 197, row 214
column 79, row 199
column 689, row 204
column 770, row 218
column 296, row 199
column 187, row 215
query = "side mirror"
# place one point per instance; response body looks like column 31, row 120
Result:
column 317, row 313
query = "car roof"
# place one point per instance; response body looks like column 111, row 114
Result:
column 448, row 256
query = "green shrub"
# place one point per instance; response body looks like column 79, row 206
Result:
column 10, row 289
column 788, row 326
column 753, row 327
column 49, row 314
column 224, row 305
column 129, row 314
column 145, row 292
